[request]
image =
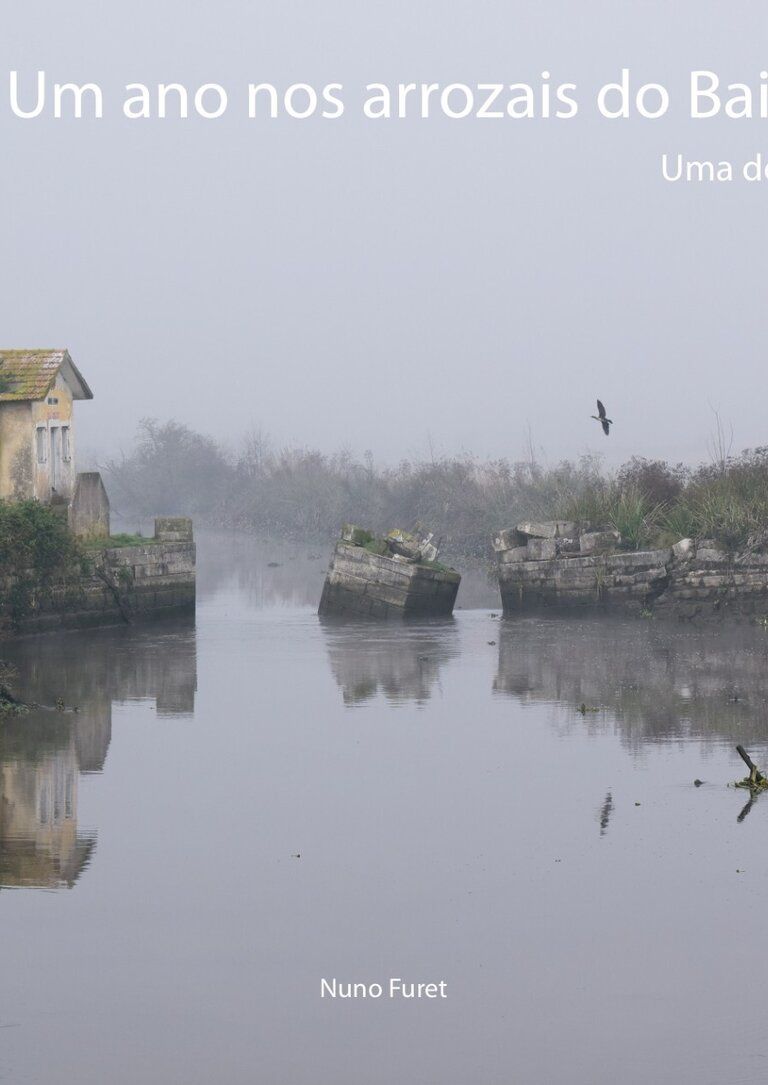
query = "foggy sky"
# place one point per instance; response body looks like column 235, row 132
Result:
column 392, row 285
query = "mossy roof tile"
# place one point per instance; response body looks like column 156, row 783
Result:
column 29, row 374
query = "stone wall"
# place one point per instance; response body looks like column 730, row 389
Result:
column 560, row 564
column 707, row 582
column 372, row 585
column 114, row 585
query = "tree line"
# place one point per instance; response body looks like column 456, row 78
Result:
column 298, row 492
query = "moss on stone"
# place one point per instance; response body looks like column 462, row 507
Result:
column 115, row 541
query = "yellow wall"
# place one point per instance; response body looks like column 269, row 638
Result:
column 20, row 474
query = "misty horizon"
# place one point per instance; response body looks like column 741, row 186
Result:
column 715, row 445
column 382, row 285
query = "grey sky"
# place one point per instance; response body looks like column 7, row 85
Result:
column 387, row 284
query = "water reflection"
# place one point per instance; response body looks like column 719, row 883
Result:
column 402, row 661
column 263, row 572
column 43, row 754
column 650, row 681
column 39, row 841
column 605, row 813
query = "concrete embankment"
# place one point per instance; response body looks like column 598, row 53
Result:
column 560, row 564
column 112, row 585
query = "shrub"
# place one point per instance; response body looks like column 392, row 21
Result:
column 656, row 480
column 35, row 545
column 632, row 515
column 34, row 536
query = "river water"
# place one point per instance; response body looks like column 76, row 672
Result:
column 250, row 801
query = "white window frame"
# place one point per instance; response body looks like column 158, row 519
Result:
column 41, row 443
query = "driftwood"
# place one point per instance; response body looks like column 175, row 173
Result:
column 755, row 781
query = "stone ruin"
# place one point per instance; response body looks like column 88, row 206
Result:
column 560, row 563
column 392, row 576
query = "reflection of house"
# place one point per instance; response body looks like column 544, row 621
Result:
column 37, row 389
column 43, row 754
column 39, row 841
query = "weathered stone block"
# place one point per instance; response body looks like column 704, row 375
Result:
column 508, row 540
column 637, row 559
column 541, row 549
column 547, row 529
column 379, row 586
column 711, row 554
column 595, row 542
column 684, row 549
column 173, row 529
column 518, row 553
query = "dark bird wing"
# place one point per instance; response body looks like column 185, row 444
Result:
column 600, row 409
column 606, row 426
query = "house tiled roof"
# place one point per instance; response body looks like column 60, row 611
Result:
column 29, row 374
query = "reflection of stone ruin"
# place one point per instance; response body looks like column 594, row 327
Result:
column 43, row 754
column 656, row 681
column 402, row 667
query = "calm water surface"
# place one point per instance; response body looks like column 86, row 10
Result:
column 252, row 800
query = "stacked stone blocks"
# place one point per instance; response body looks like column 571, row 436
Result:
column 560, row 564
column 373, row 585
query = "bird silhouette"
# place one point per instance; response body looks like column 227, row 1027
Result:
column 600, row 417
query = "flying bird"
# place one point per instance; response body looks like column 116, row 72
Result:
column 606, row 423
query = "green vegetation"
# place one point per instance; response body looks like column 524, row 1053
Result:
column 34, row 536
column 437, row 565
column 115, row 541
column 379, row 546
column 652, row 503
column 35, row 546
column 303, row 493
column 376, row 546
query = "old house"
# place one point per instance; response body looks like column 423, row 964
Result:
column 37, row 448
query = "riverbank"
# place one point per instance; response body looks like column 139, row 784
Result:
column 106, row 582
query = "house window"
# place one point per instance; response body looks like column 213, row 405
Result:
column 40, row 443
column 52, row 401
column 65, row 443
